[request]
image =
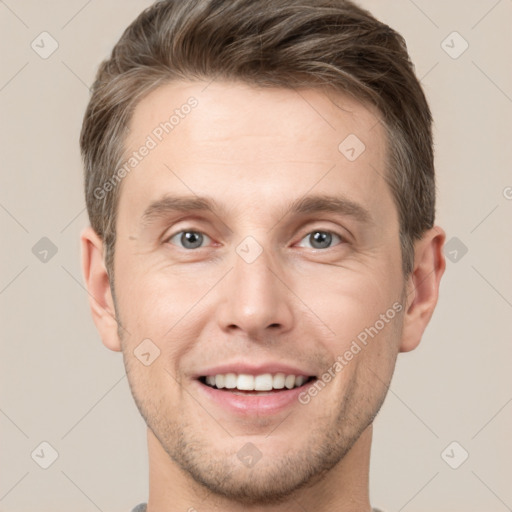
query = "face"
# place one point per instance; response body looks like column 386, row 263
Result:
column 257, row 254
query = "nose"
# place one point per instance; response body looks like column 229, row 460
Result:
column 255, row 300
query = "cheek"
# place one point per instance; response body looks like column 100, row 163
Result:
column 166, row 306
column 154, row 299
column 350, row 301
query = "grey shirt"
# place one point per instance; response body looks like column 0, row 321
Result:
column 142, row 508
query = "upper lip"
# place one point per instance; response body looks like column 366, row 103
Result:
column 254, row 369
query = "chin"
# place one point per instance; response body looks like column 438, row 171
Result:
column 249, row 486
column 273, row 479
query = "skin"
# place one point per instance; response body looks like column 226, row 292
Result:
column 254, row 151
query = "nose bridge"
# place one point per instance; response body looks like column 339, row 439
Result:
column 255, row 298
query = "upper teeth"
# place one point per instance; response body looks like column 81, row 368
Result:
column 264, row 382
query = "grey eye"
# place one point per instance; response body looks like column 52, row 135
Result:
column 188, row 239
column 321, row 239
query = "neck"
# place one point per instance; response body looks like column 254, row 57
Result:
column 344, row 488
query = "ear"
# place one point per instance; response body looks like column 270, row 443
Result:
column 423, row 286
column 98, row 285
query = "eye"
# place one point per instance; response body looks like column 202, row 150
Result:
column 321, row 239
column 188, row 239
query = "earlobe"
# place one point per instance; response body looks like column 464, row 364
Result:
column 98, row 286
column 423, row 287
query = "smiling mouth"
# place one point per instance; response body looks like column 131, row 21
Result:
column 245, row 384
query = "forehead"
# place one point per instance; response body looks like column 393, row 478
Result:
column 237, row 138
column 230, row 109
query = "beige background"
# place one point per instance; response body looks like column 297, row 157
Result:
column 60, row 385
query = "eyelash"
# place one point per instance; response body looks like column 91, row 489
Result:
column 342, row 238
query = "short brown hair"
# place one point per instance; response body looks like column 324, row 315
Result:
column 268, row 43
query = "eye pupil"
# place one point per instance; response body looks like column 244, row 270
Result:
column 191, row 239
column 320, row 239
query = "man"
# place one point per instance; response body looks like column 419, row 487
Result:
column 260, row 185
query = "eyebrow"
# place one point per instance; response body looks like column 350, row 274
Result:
column 304, row 205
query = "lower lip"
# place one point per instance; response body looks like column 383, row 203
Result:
column 249, row 404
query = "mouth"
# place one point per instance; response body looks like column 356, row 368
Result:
column 262, row 394
column 252, row 390
column 258, row 385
